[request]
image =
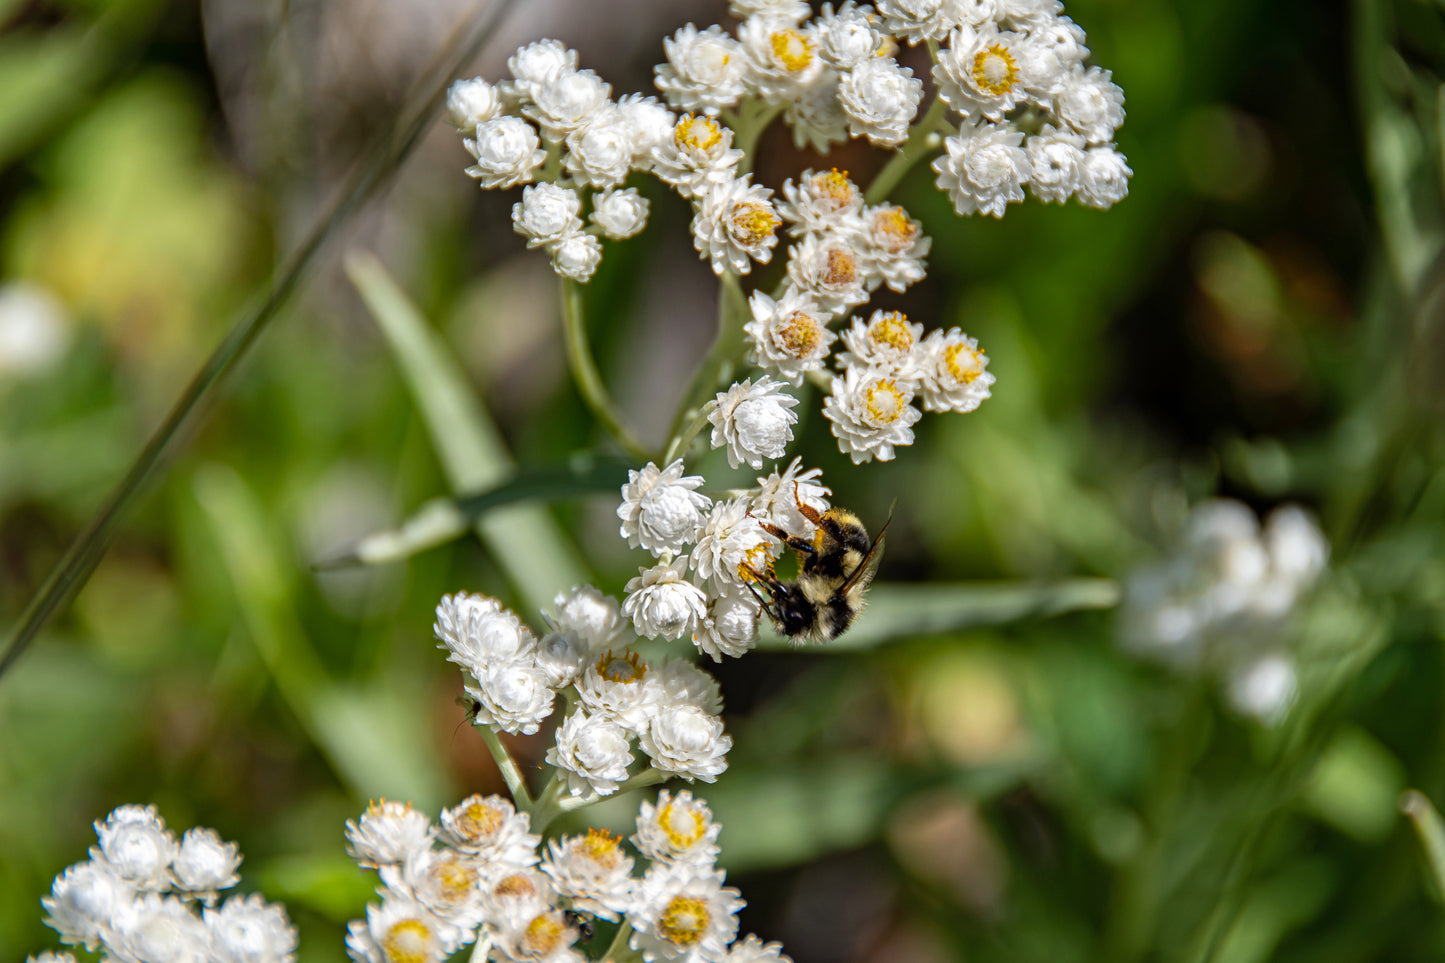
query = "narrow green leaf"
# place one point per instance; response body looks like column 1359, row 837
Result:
column 898, row 611
column 1431, row 830
column 524, row 539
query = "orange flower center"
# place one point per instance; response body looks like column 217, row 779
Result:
column 841, row 269
column 600, row 846
column 622, row 668
column 682, row 826
column 407, row 941
column 835, row 188
column 894, row 230
column 799, row 335
column 964, row 363
column 892, row 330
column 752, row 223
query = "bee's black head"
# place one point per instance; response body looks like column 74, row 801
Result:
column 795, row 614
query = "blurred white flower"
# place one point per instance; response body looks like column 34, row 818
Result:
column 781, row 11
column 400, row 930
column 84, row 899
column 678, row 829
column 1263, row 689
column 491, row 829
column 158, row 929
column 536, row 65
column 204, row 864
column 751, row 949
column 472, row 101
column 1056, row 162
column 1103, row 178
column 599, row 154
column 137, row 847
column 247, row 929
column 684, row 913
column 386, row 833
column 893, row 247
column 1092, row 104
column 615, row 687
column 446, row 881
column 478, row 633
column 915, row 20
column 592, row 871
column 848, row 37
column 651, row 125
column 782, row 57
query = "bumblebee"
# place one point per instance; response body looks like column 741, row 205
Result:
column 837, row 564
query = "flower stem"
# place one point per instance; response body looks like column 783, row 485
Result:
column 584, row 372
column 748, row 124
column 917, row 147
column 511, row 772
column 732, row 306
column 679, row 445
column 618, row 951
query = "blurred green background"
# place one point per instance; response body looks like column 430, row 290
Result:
column 1261, row 318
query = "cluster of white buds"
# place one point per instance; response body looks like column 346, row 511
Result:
column 145, row 897
column 613, row 697
column 483, row 878
column 709, row 552
column 1222, row 602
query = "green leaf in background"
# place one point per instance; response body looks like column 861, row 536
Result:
column 1430, row 829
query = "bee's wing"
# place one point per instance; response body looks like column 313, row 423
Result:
column 867, row 568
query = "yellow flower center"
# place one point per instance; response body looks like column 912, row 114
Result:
column 894, row 230
column 454, row 880
column 799, row 335
column 682, row 826
column 543, row 936
column 994, row 70
column 964, row 363
column 407, row 941
column 892, row 330
column 622, row 668
column 480, row 821
column 841, row 268
column 696, row 133
column 755, row 559
column 835, row 188
column 792, row 50
column 753, row 222
column 684, row 921
column 600, row 846
column 515, row 885
column 883, row 402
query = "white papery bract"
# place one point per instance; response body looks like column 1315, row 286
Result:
column 893, row 247
column 204, row 864
column 158, row 929
column 782, row 57
column 1263, row 689
column 615, row 687
column 546, row 937
column 735, row 224
column 881, row 99
column 682, row 682
column 821, row 202
column 1056, row 164
column 978, row 73
column 587, row 615
column 247, row 929
column 783, row 11
column 592, row 753
column 789, row 336
column 730, row 628
column 751, row 949
column 951, row 372
column 984, row 170
column 731, row 538
column 848, row 37
column 470, row 102
column 678, row 829
column 887, row 341
column 662, row 604
column 561, row 659
column 698, row 156
column 871, row 413
column 829, row 269
column 513, row 901
column 686, row 741
column 753, row 422
column 401, row 931
column 507, row 152
column 619, row 214
column 592, row 871
column 1092, row 104
column 705, row 70
column 478, row 633
column 567, row 102
column 814, row 115
column 546, row 214
column 386, row 833
column 915, row 20
column 83, row 899
column 491, row 829
column 777, row 497
column 446, row 881
column 661, row 510
column 600, row 153
column 535, row 65
column 1103, row 178
column 137, row 847
column 576, row 256
column 684, row 913
column 50, row 956
column 651, row 124
column 512, row 697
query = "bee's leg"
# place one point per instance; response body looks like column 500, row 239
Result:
column 806, row 510
column 765, row 602
column 794, row 542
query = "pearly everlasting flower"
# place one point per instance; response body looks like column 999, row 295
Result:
column 661, row 511
column 1297, row 548
column 731, row 542
column 1263, row 689
column 951, row 372
column 871, row 413
column 83, row 899
column 887, row 342
column 512, row 698
column 984, row 171
column 386, row 833
column 490, row 829
column 157, row 929
column 651, row 126
column 478, row 633
column 1056, row 164
column 592, row 871
column 592, row 754
column 513, row 901
column 681, row 682
column 735, row 224
column 754, row 950
column 881, row 99
column 978, row 73
column 137, row 847
column 830, row 270
column 684, row 913
column 1092, row 104
column 205, row 864
column 576, row 256
column 698, row 156
column 678, row 829
column 400, row 931
column 782, row 58
column 686, row 741
column 779, row 494
column 600, row 153
column 567, row 102
column 619, row 214
column 546, row 937
column 1029, row 10
column 507, row 151
column 847, row 38
column 587, row 615
column 662, row 603
column 445, row 881
column 789, row 336
column 51, row 956
column 536, row 65
column 615, row 687
column 561, row 658
column 470, row 102
column 705, row 70
column 821, row 202
column 893, row 246
column 782, row 11
column 247, row 929
column 731, row 626
column 813, row 114
column 915, row 20
column 546, row 214
column 753, row 422
column 1103, row 178
column 973, row 13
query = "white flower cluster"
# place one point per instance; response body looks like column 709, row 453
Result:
column 483, row 878
column 672, row 710
column 145, row 897
column 703, row 593
column 1222, row 602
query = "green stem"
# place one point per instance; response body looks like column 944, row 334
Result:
column 584, row 372
column 732, row 310
column 918, row 146
column 748, row 125
column 1431, row 830
column 511, row 772
column 553, row 803
column 678, row 447
column 619, row 944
